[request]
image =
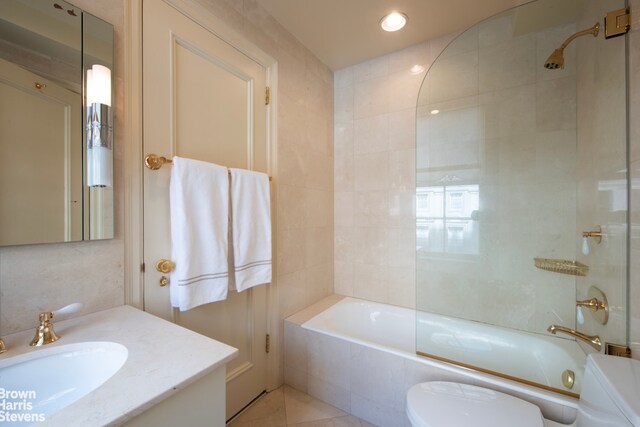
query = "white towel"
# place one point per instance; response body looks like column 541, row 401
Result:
column 250, row 228
column 199, row 198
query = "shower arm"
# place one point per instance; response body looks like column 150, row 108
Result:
column 593, row 31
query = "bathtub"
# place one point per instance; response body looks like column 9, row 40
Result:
column 360, row 356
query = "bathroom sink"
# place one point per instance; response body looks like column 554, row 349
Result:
column 47, row 380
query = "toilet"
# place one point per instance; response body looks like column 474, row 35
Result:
column 610, row 398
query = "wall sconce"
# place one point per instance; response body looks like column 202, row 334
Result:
column 99, row 128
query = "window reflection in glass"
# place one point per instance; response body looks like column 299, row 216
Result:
column 446, row 222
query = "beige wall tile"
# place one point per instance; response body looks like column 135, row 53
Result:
column 405, row 59
column 293, row 284
column 292, row 207
column 344, row 139
column 375, row 175
column 371, row 134
column 344, row 179
column 371, row 98
column 375, row 68
column 291, row 249
column 371, row 171
column 344, row 277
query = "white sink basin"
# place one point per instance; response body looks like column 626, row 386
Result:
column 53, row 378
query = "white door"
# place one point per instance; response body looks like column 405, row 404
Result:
column 204, row 100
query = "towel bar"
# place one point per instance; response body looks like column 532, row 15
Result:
column 155, row 162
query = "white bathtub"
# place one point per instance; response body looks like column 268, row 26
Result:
column 360, row 356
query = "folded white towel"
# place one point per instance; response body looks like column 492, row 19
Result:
column 199, row 199
column 250, row 228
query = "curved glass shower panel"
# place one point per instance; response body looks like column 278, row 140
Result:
column 516, row 157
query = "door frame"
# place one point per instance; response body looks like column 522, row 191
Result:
column 133, row 156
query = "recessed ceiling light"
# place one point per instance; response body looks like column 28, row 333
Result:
column 393, row 21
column 434, row 112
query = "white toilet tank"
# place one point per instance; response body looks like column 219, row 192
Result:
column 610, row 394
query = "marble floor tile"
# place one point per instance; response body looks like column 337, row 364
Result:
column 287, row 407
column 268, row 411
column 301, row 407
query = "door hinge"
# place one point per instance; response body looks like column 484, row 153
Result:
column 617, row 23
column 267, row 343
column 142, row 267
column 267, row 96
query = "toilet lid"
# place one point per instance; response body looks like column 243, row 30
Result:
column 447, row 404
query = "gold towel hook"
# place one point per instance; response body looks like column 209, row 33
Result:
column 155, row 162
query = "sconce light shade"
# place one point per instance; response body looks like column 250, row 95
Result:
column 99, row 129
column 99, row 85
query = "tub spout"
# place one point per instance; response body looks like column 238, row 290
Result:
column 592, row 340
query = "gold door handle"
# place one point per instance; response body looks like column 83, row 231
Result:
column 164, row 266
column 164, row 281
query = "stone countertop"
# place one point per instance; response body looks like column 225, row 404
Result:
column 164, row 358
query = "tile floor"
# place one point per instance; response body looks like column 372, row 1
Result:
column 288, row 407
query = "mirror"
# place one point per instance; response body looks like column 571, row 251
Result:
column 46, row 48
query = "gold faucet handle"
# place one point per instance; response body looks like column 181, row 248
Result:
column 597, row 303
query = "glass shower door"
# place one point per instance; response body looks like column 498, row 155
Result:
column 515, row 160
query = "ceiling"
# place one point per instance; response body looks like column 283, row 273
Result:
column 346, row 32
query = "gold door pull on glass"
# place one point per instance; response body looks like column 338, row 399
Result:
column 165, row 266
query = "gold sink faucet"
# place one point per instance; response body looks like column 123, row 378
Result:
column 592, row 340
column 44, row 331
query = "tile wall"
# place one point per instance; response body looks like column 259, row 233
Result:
column 375, row 174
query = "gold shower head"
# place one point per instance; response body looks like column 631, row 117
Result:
column 556, row 59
